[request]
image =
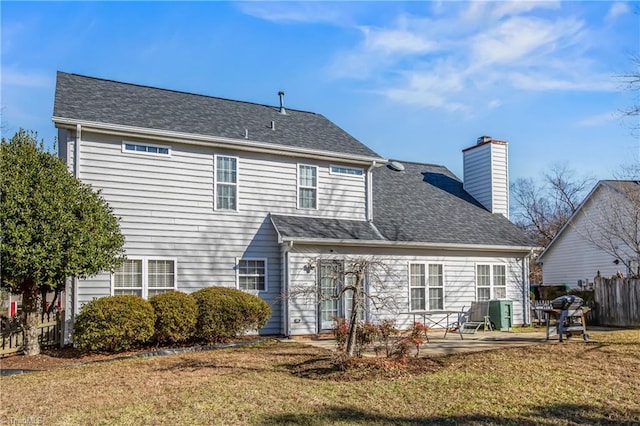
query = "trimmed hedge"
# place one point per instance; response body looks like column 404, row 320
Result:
column 224, row 313
column 176, row 315
column 114, row 324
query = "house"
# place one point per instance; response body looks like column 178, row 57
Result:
column 600, row 237
column 269, row 199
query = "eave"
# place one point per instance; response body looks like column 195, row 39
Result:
column 408, row 244
column 213, row 141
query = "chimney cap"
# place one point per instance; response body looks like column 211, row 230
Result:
column 484, row 139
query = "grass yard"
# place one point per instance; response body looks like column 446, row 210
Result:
column 574, row 383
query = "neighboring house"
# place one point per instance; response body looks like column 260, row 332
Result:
column 590, row 240
column 213, row 191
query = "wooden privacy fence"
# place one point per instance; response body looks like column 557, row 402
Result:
column 12, row 337
column 617, row 301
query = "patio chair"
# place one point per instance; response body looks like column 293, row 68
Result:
column 478, row 316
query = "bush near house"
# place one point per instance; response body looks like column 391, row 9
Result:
column 114, row 324
column 224, row 313
column 176, row 315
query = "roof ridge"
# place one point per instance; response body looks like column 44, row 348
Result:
column 418, row 163
column 183, row 92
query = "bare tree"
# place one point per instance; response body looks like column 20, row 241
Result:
column 543, row 207
column 361, row 281
column 631, row 83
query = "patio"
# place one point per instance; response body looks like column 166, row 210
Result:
column 438, row 345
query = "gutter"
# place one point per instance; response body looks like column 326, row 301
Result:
column 370, row 192
column 405, row 244
column 213, row 141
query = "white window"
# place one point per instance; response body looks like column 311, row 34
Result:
column 226, row 183
column 143, row 148
column 252, row 274
column 145, row 277
column 491, row 282
column 349, row 171
column 307, row 187
column 426, row 286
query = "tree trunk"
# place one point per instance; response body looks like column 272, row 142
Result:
column 353, row 325
column 353, row 328
column 30, row 307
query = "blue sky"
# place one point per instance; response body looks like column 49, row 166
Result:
column 415, row 81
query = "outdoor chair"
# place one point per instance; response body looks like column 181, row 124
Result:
column 478, row 316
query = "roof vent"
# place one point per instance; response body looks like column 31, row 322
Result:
column 282, row 110
column 273, row 125
column 396, row 165
column 484, row 139
column 246, row 133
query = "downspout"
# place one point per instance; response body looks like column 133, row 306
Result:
column 73, row 297
column 369, row 213
column 284, row 293
column 526, row 300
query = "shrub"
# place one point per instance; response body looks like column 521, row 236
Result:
column 224, row 313
column 176, row 314
column 114, row 324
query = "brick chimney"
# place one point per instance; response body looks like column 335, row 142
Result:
column 486, row 174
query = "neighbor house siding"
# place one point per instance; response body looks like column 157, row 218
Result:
column 459, row 281
column 572, row 256
column 166, row 206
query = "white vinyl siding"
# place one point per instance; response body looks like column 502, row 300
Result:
column 144, row 277
column 226, row 182
column 426, row 286
column 252, row 274
column 168, row 212
column 392, row 282
column 485, row 176
column 143, row 148
column 307, row 187
column 491, row 282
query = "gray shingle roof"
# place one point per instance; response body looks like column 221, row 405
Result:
column 422, row 204
column 311, row 227
column 427, row 203
column 92, row 99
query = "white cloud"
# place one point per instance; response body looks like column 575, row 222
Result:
column 519, row 38
column 294, row 12
column 598, row 120
column 617, row 9
column 396, row 41
column 452, row 54
column 13, row 77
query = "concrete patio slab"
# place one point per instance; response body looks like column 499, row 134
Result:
column 438, row 345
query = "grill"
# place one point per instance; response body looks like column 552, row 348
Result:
column 568, row 312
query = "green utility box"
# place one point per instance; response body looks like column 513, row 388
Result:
column 501, row 314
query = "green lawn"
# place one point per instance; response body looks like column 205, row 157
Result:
column 290, row 383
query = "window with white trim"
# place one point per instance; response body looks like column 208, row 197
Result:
column 307, row 187
column 426, row 286
column 344, row 170
column 252, row 274
column 144, row 277
column 226, row 182
column 491, row 282
column 143, row 148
